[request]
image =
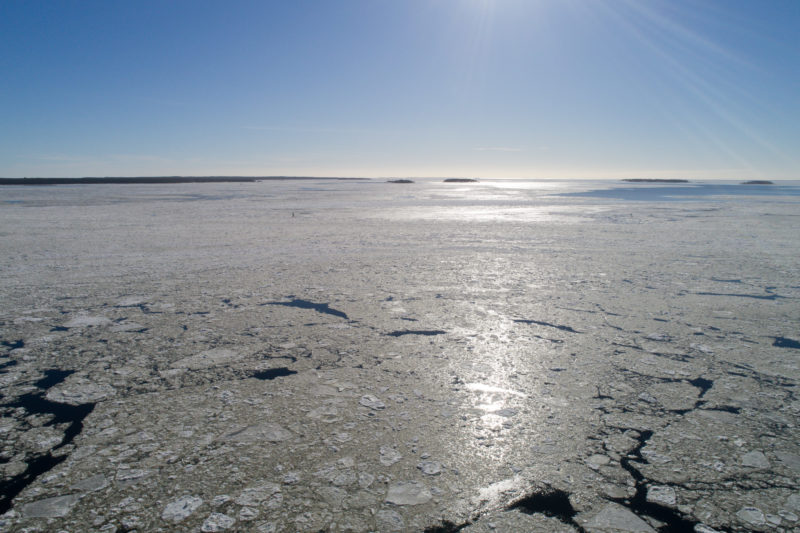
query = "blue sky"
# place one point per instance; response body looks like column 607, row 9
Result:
column 488, row 88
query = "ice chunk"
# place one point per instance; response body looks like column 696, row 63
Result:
column 408, row 493
column 268, row 431
column 181, row 509
column 255, row 496
column 597, row 460
column 217, row 522
column 91, row 484
column 618, row 518
column 368, row 400
column 389, row 521
column 389, row 456
column 751, row 515
column 701, row 348
column 248, row 513
column 326, row 413
column 789, row 459
column 430, row 468
column 127, row 477
column 291, row 478
column 221, row 499
column 83, row 321
column 755, row 459
column 55, row 507
column 208, row 359
column 647, row 397
column 80, row 391
column 662, row 495
column 793, row 502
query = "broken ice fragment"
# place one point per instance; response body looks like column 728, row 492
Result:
column 408, row 493
column 430, row 468
column 751, row 515
column 789, row 459
column 126, row 327
column 389, row 521
column 702, row 528
column 701, row 348
column 647, row 397
column 208, row 359
column 372, row 402
column 83, row 321
column 596, row 461
column 79, row 392
column 344, row 479
column 217, row 522
column 220, row 500
column 55, row 507
column 333, row 496
column 130, row 301
column 793, row 502
column 342, row 436
column 248, row 513
column 91, row 484
column 127, row 477
column 755, row 459
column 42, row 438
column 365, row 479
column 254, row 496
column 290, row 478
column 618, row 518
column 662, row 495
column 389, row 456
column 181, row 508
column 326, row 413
column 268, row 431
column 655, row 457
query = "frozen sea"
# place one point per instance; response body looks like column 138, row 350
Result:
column 358, row 355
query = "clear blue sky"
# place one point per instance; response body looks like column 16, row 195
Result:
column 489, row 88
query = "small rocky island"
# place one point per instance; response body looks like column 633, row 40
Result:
column 401, row 181
column 757, row 182
column 460, row 180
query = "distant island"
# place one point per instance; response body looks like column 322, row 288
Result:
column 757, row 182
column 460, row 180
column 654, row 180
column 400, row 181
column 156, row 180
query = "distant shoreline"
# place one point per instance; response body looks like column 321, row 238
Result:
column 654, row 180
column 156, row 180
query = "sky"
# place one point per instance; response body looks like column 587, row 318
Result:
column 703, row 89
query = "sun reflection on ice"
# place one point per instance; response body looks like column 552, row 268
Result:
column 493, row 401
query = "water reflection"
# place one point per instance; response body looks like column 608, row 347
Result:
column 482, row 387
column 687, row 192
column 554, row 214
column 494, row 402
